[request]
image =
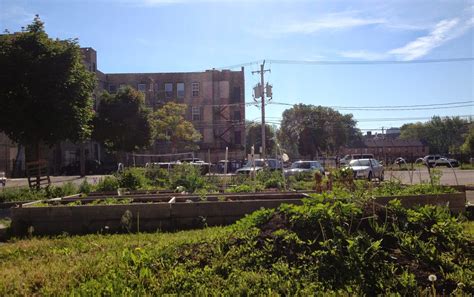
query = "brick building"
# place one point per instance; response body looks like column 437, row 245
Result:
column 215, row 104
column 388, row 149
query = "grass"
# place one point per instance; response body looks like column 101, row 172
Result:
column 341, row 248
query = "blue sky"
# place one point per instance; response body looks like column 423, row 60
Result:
column 194, row 35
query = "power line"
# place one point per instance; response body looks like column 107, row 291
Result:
column 276, row 119
column 334, row 62
column 385, row 62
column 448, row 105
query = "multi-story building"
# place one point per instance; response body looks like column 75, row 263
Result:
column 214, row 98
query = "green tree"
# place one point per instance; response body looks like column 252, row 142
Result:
column 468, row 145
column 309, row 130
column 171, row 126
column 442, row 135
column 123, row 122
column 254, row 137
column 46, row 91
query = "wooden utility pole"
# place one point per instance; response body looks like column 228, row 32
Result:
column 262, row 96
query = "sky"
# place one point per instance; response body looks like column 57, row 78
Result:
column 195, row 35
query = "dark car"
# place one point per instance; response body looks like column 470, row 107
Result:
column 438, row 160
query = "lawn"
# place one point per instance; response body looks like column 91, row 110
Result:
column 332, row 245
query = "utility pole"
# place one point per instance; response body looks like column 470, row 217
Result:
column 261, row 94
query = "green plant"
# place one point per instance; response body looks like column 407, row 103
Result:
column 187, row 176
column 85, row 187
column 132, row 178
column 107, row 184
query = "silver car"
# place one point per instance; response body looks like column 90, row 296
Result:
column 367, row 169
column 304, row 166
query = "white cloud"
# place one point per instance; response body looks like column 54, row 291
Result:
column 444, row 31
column 441, row 33
column 343, row 20
column 364, row 55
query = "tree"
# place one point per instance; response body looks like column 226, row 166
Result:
column 468, row 145
column 171, row 126
column 46, row 91
column 123, row 122
column 254, row 137
column 442, row 135
column 311, row 130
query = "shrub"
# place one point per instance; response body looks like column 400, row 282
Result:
column 108, row 184
column 157, row 177
column 21, row 194
column 60, row 191
column 132, row 178
column 187, row 176
column 85, row 187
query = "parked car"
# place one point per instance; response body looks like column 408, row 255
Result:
column 438, row 160
column 251, row 167
column 3, row 178
column 260, row 164
column 232, row 166
column 367, row 169
column 203, row 166
column 347, row 158
column 303, row 167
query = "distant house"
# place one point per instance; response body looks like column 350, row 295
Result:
column 388, row 149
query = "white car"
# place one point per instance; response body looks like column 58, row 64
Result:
column 367, row 169
column 3, row 179
column 304, row 167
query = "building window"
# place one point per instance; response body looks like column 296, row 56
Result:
column 141, row 87
column 235, row 95
column 237, row 137
column 168, row 90
column 112, row 89
column 180, row 90
column 195, row 89
column 236, row 115
column 196, row 113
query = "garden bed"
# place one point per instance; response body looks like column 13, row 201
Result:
column 155, row 212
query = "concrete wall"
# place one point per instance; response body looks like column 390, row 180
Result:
column 172, row 216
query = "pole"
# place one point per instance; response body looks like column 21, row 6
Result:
column 262, row 71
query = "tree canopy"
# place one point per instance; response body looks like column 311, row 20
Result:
column 46, row 91
column 309, row 130
column 254, row 137
column 123, row 122
column 442, row 135
column 171, row 126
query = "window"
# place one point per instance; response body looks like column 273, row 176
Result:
column 195, row 89
column 235, row 94
column 112, row 89
column 196, row 113
column 141, row 87
column 237, row 137
column 180, row 90
column 236, row 115
column 168, row 90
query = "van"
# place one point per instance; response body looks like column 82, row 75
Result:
column 348, row 158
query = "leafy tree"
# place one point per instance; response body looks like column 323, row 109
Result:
column 254, row 137
column 46, row 91
column 171, row 126
column 442, row 135
column 123, row 122
column 468, row 145
column 310, row 130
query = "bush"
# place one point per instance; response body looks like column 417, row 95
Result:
column 132, row 178
column 157, row 177
column 187, row 176
column 60, row 191
column 108, row 184
column 85, row 187
column 21, row 194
